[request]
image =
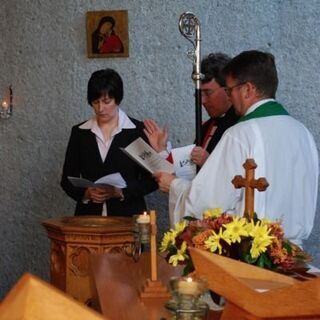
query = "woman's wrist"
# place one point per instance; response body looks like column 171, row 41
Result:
column 119, row 194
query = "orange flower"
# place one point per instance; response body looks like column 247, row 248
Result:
column 277, row 252
column 200, row 238
column 276, row 230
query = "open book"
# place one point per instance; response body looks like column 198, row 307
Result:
column 114, row 179
column 147, row 157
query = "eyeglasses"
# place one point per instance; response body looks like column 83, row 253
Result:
column 228, row 90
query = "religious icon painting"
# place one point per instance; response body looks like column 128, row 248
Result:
column 107, row 34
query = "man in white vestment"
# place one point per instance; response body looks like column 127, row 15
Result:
column 282, row 147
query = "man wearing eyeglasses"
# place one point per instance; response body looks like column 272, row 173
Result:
column 282, row 147
column 217, row 104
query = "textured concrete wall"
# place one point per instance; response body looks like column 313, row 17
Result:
column 43, row 55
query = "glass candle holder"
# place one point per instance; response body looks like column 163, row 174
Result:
column 186, row 300
column 141, row 228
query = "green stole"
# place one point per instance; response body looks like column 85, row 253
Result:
column 271, row 108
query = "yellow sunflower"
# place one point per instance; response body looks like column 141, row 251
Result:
column 179, row 256
column 236, row 229
column 180, row 226
column 259, row 245
column 213, row 242
column 169, row 238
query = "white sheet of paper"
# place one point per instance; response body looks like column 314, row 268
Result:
column 147, row 157
column 183, row 165
column 114, row 179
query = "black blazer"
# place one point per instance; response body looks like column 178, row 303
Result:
column 223, row 123
column 83, row 159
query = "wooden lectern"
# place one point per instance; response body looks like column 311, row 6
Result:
column 73, row 240
column 34, row 299
column 253, row 293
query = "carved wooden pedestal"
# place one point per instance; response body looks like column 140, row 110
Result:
column 73, row 239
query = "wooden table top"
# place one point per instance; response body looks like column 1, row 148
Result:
column 118, row 280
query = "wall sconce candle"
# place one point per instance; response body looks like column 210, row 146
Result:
column 6, row 109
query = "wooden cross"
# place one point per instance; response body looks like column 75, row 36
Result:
column 153, row 287
column 250, row 184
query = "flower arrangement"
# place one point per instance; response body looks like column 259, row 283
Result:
column 257, row 242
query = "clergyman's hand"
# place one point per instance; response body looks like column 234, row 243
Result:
column 164, row 180
column 157, row 136
column 199, row 156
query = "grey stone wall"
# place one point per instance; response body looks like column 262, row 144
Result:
column 43, row 56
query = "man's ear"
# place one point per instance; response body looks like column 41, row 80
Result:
column 250, row 90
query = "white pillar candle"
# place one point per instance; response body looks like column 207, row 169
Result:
column 143, row 218
column 188, row 286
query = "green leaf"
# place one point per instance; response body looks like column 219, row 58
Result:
column 264, row 261
column 260, row 261
column 247, row 258
column 189, row 218
column 287, row 246
column 188, row 268
column 267, row 261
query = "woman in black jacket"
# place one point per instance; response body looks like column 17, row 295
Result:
column 94, row 151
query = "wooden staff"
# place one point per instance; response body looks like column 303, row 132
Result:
column 153, row 245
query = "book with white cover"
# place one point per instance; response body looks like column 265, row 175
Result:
column 147, row 157
column 114, row 179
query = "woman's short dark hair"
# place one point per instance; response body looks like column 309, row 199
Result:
column 105, row 82
column 211, row 67
column 257, row 67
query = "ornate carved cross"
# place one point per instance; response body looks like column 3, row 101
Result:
column 250, row 184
